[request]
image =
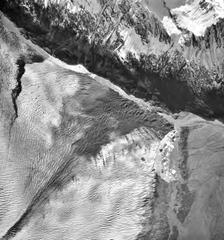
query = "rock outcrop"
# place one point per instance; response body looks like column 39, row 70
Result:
column 126, row 43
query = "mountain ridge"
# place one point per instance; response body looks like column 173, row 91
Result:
column 134, row 52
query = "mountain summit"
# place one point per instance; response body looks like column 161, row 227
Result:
column 198, row 16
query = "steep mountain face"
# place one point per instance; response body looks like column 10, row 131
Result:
column 200, row 30
column 79, row 157
column 199, row 15
column 126, row 43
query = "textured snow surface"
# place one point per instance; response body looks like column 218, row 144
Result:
column 199, row 15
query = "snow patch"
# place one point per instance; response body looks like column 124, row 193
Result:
column 170, row 26
column 199, row 15
column 163, row 164
column 76, row 68
column 134, row 44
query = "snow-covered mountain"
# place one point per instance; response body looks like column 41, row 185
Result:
column 67, row 131
column 126, row 42
column 198, row 27
column 89, row 146
column 199, row 15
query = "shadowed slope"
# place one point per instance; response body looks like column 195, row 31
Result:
column 126, row 43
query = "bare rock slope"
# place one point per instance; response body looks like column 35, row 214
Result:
column 125, row 42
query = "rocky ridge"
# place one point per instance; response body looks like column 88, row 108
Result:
column 126, row 43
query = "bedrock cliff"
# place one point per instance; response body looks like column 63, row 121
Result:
column 125, row 42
